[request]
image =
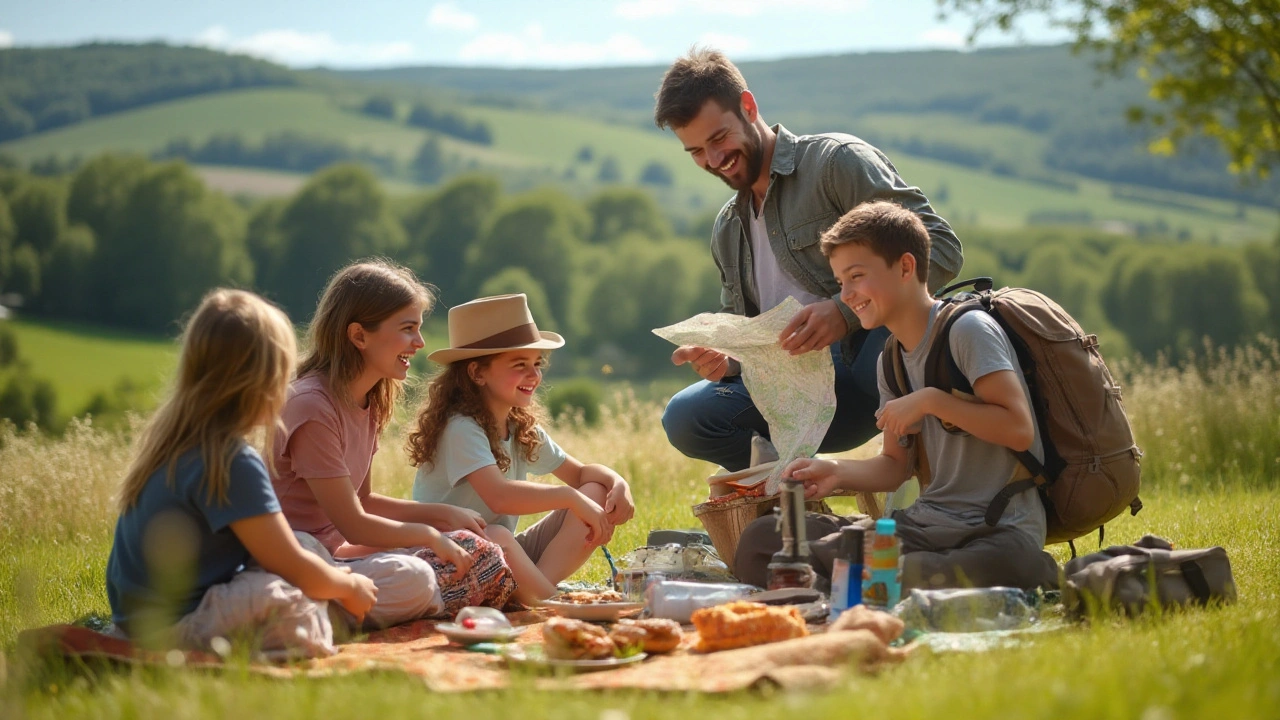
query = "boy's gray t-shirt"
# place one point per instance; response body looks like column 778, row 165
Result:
column 969, row 472
column 463, row 449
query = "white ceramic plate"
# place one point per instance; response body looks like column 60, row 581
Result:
column 596, row 612
column 465, row 636
column 531, row 656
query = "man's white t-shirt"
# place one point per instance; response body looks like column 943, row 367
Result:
column 772, row 284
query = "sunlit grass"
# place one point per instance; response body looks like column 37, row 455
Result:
column 1207, row 424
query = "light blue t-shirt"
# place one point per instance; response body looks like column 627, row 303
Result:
column 175, row 532
column 463, row 449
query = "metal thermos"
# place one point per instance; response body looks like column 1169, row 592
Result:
column 790, row 567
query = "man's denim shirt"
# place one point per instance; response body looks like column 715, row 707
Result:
column 813, row 180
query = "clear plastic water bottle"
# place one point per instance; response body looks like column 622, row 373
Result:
column 881, row 578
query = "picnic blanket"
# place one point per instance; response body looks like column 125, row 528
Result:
column 815, row 662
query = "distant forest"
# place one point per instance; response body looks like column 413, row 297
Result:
column 1045, row 90
column 46, row 88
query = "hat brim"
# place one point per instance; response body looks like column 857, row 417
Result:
column 549, row 341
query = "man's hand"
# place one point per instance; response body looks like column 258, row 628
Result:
column 451, row 517
column 905, row 415
column 815, row 326
column 708, row 363
column 618, row 505
column 820, row 477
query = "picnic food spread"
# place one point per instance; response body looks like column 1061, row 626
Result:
column 742, row 624
column 565, row 639
column 589, row 597
column 660, row 636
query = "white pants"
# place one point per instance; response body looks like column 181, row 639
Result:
column 287, row 624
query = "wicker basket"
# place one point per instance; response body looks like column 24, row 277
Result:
column 726, row 520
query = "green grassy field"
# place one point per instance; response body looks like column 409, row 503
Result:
column 1211, row 431
column 83, row 360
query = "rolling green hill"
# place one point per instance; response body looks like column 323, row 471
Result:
column 532, row 146
column 987, row 151
column 84, row 360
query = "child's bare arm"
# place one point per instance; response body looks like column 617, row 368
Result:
column 359, row 527
column 1000, row 415
column 443, row 517
column 618, row 504
column 270, row 541
column 511, row 497
column 883, row 473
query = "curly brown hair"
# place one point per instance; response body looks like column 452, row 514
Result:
column 453, row 391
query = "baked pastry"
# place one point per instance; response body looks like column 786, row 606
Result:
column 742, row 624
column 590, row 597
column 629, row 639
column 565, row 639
column 660, row 635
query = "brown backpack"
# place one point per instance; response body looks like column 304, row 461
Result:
column 1091, row 464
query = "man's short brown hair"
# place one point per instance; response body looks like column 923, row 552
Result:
column 702, row 74
column 888, row 229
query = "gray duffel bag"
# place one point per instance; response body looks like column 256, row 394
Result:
column 1122, row 577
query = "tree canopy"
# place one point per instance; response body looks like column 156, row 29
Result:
column 1213, row 67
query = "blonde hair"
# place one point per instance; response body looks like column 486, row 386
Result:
column 237, row 356
column 453, row 392
column 365, row 292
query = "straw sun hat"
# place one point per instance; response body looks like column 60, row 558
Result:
column 493, row 325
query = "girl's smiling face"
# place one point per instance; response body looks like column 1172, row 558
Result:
column 388, row 349
column 510, row 379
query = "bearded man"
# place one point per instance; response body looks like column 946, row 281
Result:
column 789, row 189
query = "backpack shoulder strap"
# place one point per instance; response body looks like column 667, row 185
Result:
column 942, row 371
column 894, row 368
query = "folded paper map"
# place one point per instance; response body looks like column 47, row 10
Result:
column 795, row 393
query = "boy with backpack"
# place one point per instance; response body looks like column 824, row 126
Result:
column 879, row 253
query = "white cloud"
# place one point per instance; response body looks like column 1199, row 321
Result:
column 727, row 44
column 531, row 47
column 301, row 49
column 942, row 37
column 645, row 9
column 6, row 39
column 448, row 16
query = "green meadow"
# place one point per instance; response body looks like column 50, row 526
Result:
column 84, row 360
column 1210, row 427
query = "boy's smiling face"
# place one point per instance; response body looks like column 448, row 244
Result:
column 871, row 287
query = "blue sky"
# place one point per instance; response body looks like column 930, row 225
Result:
column 569, row 33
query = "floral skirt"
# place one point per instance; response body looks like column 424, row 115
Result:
column 488, row 583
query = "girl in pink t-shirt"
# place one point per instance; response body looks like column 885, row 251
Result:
column 361, row 339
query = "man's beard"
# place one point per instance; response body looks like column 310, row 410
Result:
column 752, row 154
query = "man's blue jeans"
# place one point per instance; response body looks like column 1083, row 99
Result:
column 714, row 420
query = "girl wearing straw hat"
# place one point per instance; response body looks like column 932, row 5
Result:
column 479, row 436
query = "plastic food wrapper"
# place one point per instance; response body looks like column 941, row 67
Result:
column 967, row 610
column 676, row 600
column 484, row 618
column 795, row 393
column 695, row 562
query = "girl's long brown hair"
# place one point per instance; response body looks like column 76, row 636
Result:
column 453, row 392
column 365, row 292
column 237, row 356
